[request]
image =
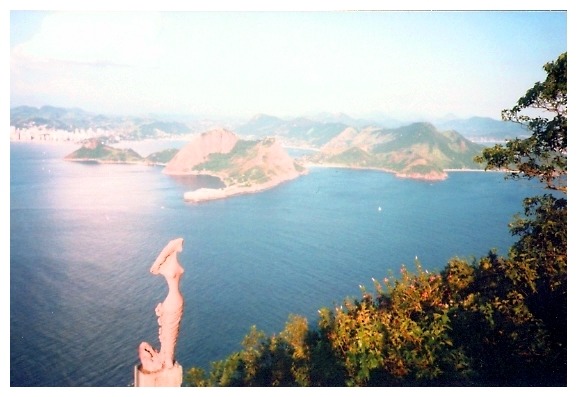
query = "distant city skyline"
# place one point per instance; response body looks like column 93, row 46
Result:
column 399, row 64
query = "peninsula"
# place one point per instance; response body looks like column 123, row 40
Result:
column 416, row 151
column 244, row 166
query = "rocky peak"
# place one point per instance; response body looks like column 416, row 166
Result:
column 198, row 150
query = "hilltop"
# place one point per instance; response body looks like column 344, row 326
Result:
column 244, row 166
column 95, row 151
column 50, row 123
column 417, row 151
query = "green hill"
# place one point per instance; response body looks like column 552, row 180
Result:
column 95, row 150
column 418, row 150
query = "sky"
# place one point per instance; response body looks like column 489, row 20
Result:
column 399, row 64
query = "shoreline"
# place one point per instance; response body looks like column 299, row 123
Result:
column 433, row 176
column 209, row 194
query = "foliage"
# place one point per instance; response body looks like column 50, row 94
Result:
column 473, row 324
column 544, row 154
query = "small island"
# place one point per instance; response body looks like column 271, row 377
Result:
column 94, row 150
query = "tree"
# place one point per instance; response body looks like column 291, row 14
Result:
column 536, row 270
column 543, row 155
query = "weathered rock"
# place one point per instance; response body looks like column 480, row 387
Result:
column 198, row 149
column 158, row 365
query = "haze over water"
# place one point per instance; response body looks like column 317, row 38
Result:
column 83, row 237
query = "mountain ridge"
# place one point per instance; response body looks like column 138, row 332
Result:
column 312, row 130
column 416, row 151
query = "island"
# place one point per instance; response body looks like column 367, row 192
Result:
column 244, row 166
column 94, row 150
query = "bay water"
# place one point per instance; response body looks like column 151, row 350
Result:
column 83, row 237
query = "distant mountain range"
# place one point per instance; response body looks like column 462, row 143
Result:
column 314, row 131
column 71, row 119
column 484, row 128
column 297, row 131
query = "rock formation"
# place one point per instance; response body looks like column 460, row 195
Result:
column 199, row 149
column 169, row 314
column 244, row 166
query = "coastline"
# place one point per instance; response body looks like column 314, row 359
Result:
column 207, row 194
column 433, row 176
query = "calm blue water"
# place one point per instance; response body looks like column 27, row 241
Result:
column 82, row 238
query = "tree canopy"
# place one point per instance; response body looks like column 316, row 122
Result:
column 543, row 111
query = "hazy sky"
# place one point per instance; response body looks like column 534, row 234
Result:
column 403, row 64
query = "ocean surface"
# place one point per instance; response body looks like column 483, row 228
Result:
column 83, row 237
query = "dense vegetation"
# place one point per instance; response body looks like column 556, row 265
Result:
column 494, row 321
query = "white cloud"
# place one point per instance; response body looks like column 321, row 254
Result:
column 96, row 38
